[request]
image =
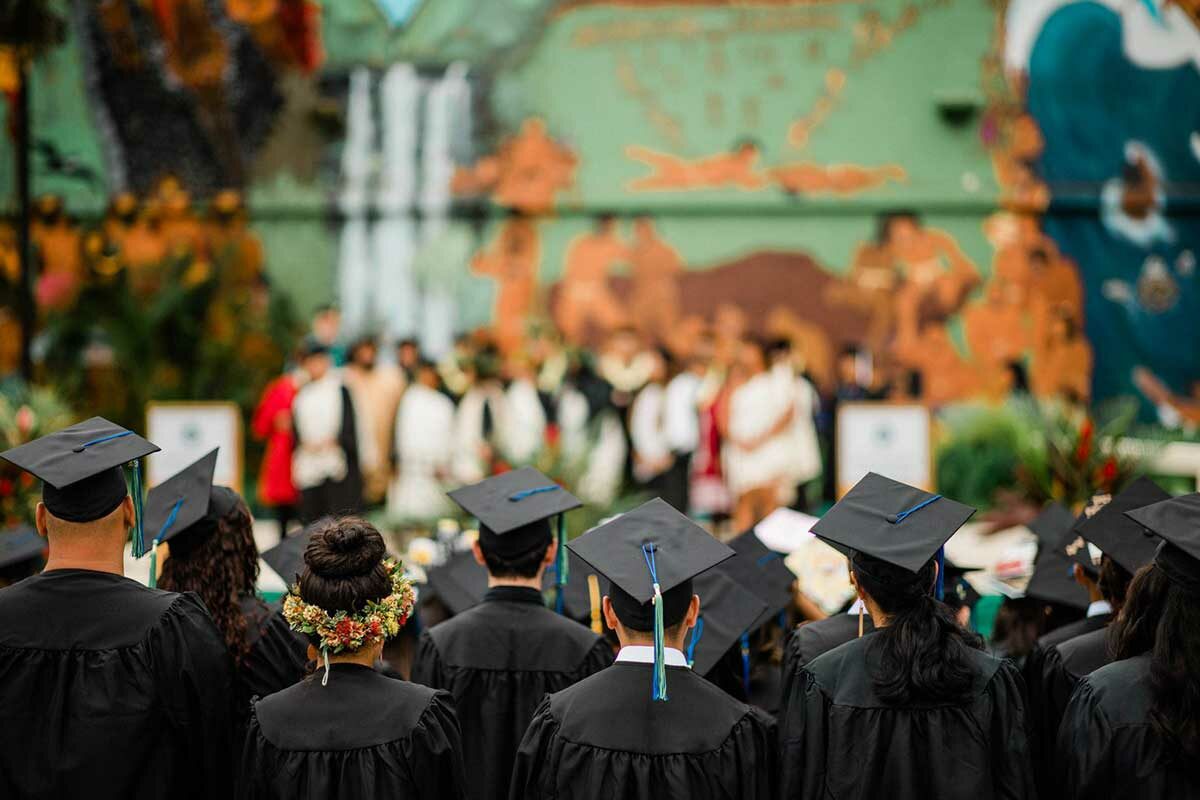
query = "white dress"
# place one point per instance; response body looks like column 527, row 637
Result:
column 424, row 446
column 524, row 430
column 755, row 407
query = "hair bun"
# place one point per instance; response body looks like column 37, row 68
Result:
column 344, row 548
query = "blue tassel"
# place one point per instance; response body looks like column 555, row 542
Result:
column 154, row 567
column 658, row 683
column 139, row 539
column 894, row 518
column 166, row 526
column 561, row 566
column 697, row 632
column 746, row 663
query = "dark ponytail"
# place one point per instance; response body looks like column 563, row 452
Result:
column 924, row 654
column 1163, row 619
column 343, row 565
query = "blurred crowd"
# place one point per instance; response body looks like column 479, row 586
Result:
column 731, row 431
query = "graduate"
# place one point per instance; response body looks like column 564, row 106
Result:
column 1125, row 549
column 648, row 727
column 423, row 445
column 501, row 657
column 210, row 535
column 916, row 709
column 110, row 689
column 348, row 730
column 1131, row 727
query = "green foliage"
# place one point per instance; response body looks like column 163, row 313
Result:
column 26, row 413
column 1042, row 451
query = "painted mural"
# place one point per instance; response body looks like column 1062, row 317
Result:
column 953, row 188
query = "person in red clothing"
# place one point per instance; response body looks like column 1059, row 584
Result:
column 272, row 423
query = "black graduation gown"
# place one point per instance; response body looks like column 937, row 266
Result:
column 840, row 740
column 278, row 655
column 1107, row 747
column 111, row 689
column 1043, row 700
column 362, row 735
column 1063, row 667
column 498, row 660
column 604, row 738
column 805, row 642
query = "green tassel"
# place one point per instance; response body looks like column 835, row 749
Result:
column 139, row 541
column 153, row 567
column 659, row 687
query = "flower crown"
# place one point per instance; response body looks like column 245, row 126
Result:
column 340, row 631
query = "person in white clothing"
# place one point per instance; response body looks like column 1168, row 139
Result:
column 424, row 441
column 652, row 456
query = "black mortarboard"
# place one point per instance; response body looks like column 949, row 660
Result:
column 727, row 610
column 645, row 554
column 80, row 467
column 287, row 557
column 514, row 500
column 1052, row 581
column 762, row 571
column 1118, row 536
column 181, row 501
column 460, row 583
column 1052, row 524
column 956, row 585
column 19, row 545
column 892, row 521
column 1177, row 521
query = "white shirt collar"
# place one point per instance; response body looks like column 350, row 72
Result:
column 1099, row 607
column 644, row 654
column 858, row 606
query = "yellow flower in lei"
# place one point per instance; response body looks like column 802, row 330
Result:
column 341, row 632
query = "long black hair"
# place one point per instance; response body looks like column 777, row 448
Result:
column 924, row 654
column 1162, row 618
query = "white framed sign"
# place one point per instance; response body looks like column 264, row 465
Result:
column 892, row 439
column 186, row 431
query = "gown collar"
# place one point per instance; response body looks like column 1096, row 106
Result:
column 514, row 594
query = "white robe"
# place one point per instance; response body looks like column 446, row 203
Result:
column 424, row 448
column 318, row 415
column 524, row 430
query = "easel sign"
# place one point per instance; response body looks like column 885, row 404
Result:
column 892, row 439
column 188, row 430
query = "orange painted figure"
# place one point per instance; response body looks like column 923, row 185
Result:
column 1062, row 362
column 1013, row 167
column 584, row 295
column 655, row 305
column 526, row 173
column 996, row 326
column 870, row 286
column 937, row 274
column 512, row 259
column 737, row 169
column 809, row 178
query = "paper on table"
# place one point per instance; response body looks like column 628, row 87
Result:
column 784, row 530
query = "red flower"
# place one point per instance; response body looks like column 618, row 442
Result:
column 344, row 630
column 6, row 487
column 1107, row 474
column 375, row 627
column 26, row 480
column 1084, row 450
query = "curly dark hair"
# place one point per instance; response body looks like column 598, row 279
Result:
column 221, row 568
column 343, row 565
column 924, row 653
column 1163, row 619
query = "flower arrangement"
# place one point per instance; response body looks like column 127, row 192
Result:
column 25, row 414
column 342, row 632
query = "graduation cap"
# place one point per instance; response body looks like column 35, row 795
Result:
column 1052, row 580
column 20, row 545
column 1052, row 524
column 80, row 470
column 728, row 611
column 1120, row 537
column 185, row 509
column 514, row 510
column 894, row 522
column 958, row 592
column 1177, row 521
column 287, row 557
column 650, row 556
column 760, row 570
